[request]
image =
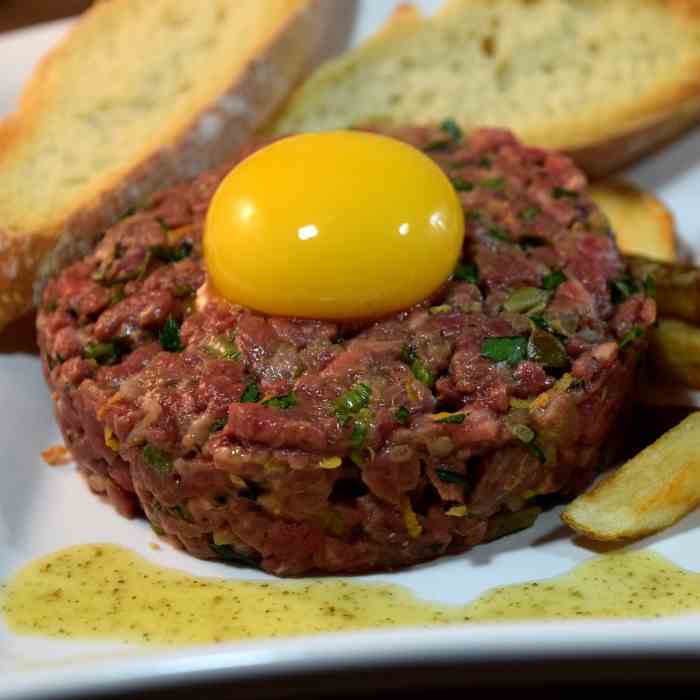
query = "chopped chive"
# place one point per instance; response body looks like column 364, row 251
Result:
column 359, row 434
column 106, row 353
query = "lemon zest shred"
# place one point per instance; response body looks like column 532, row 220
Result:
column 410, row 519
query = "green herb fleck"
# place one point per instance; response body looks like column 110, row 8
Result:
column 251, row 394
column 530, row 214
column 467, row 272
column 106, row 353
column 157, row 458
column 284, row 401
column 183, row 290
column 402, row 415
column 485, row 162
column 553, row 279
column 451, row 477
column 510, row 349
column 499, row 233
column 650, row 286
column 359, row 434
column 224, row 347
column 218, row 425
column 169, row 336
column 526, row 299
column 451, row 128
column 623, row 288
column 462, row 185
column 171, row 254
column 634, row 334
column 418, row 366
column 537, row 451
column 493, row 183
column 454, row 419
column 561, row 192
column 352, row 401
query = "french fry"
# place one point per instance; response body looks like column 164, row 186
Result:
column 674, row 348
column 642, row 223
column 677, row 286
column 648, row 493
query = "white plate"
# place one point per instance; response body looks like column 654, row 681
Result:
column 44, row 509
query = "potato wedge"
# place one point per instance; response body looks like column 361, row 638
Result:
column 642, row 223
column 674, row 349
column 677, row 286
column 648, row 493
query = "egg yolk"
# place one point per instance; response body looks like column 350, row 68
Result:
column 337, row 225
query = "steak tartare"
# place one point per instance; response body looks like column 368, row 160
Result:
column 305, row 446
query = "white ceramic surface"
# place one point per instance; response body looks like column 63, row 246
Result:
column 43, row 509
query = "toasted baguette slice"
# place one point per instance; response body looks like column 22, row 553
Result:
column 642, row 223
column 605, row 81
column 141, row 93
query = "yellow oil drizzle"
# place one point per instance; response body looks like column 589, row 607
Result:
column 108, row 592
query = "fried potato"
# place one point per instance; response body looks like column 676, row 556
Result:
column 642, row 223
column 674, row 348
column 647, row 494
column 677, row 286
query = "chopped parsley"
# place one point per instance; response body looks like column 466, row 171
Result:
column 454, row 419
column 530, row 214
column 106, row 353
column 650, row 286
column 171, row 254
column 498, row 233
column 451, row 477
column 218, row 425
column 467, row 272
column 451, row 128
column 561, row 192
column 169, row 336
column 634, row 334
column 284, row 401
column 510, row 349
column 553, row 280
column 493, row 183
column 251, row 394
column 402, row 415
column 462, row 185
column 157, row 458
column 623, row 288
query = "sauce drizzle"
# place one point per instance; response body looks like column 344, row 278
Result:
column 108, row 592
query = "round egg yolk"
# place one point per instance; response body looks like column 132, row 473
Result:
column 337, row 225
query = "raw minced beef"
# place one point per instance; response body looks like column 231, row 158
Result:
column 304, row 446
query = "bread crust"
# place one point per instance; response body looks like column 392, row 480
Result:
column 282, row 58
